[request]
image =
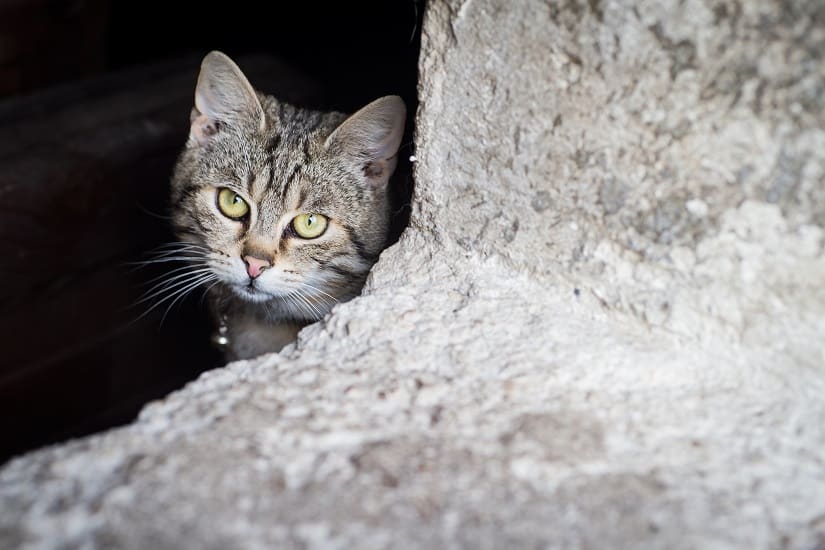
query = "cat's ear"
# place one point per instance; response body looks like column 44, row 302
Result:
column 223, row 95
column 371, row 137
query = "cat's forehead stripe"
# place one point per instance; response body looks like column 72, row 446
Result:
column 259, row 182
column 272, row 146
column 296, row 168
column 289, row 179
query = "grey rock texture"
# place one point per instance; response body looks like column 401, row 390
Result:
column 602, row 329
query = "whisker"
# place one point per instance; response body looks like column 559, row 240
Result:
column 195, row 251
column 293, row 303
column 319, row 299
column 316, row 289
column 153, row 214
column 170, row 284
column 313, row 308
column 205, row 292
column 181, row 295
column 177, row 269
column 170, row 276
column 199, row 250
column 194, row 284
column 167, row 259
column 168, row 251
column 299, row 300
column 180, row 244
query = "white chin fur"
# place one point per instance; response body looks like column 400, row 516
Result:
column 256, row 297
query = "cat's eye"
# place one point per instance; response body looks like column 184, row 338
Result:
column 309, row 226
column 231, row 204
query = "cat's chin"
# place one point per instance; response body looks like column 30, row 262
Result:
column 252, row 294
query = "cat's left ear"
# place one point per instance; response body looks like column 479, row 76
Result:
column 223, row 96
column 372, row 137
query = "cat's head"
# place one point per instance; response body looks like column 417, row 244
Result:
column 283, row 206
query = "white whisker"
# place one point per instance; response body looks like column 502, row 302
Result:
column 294, row 303
column 168, row 259
column 182, row 294
column 313, row 308
column 180, row 245
column 185, row 289
column 170, row 284
column 318, row 290
column 176, row 270
column 210, row 287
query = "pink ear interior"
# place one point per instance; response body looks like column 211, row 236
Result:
column 202, row 129
column 223, row 95
column 378, row 171
column 375, row 131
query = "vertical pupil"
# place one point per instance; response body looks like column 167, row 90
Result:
column 310, row 220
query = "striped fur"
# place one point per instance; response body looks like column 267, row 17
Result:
column 283, row 161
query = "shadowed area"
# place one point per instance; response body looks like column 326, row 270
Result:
column 85, row 184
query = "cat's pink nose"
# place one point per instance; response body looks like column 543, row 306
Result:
column 255, row 266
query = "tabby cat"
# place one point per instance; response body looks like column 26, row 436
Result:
column 281, row 210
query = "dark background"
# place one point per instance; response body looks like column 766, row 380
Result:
column 360, row 50
column 94, row 105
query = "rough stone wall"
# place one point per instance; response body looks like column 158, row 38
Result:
column 603, row 327
column 666, row 156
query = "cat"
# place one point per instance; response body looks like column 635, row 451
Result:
column 280, row 211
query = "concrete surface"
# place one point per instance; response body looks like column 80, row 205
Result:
column 602, row 329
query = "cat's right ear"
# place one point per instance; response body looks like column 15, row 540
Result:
column 372, row 137
column 223, row 96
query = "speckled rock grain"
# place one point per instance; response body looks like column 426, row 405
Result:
column 603, row 327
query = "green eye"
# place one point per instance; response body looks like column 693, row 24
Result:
column 231, row 204
column 309, row 226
